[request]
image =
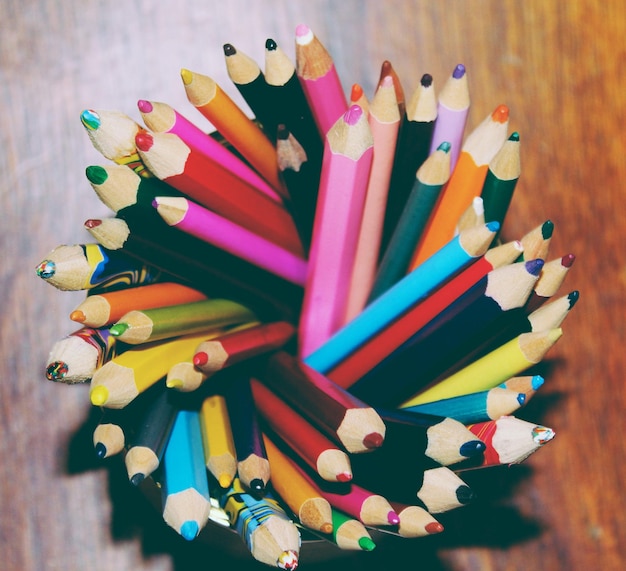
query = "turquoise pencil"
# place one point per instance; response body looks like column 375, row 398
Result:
column 185, row 487
column 458, row 253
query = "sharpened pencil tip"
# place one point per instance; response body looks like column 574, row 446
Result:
column 200, row 358
column 533, row 267
column 459, row 71
column 465, row 495
column 433, row 527
column 186, row 76
column 136, row 479
column 514, row 137
column 568, row 260
column 472, row 448
column 303, row 33
column 225, row 480
column 573, row 297
column 537, row 381
column 542, row 435
column 101, row 450
column 547, row 229
column 445, row 147
column 521, row 398
column 46, row 269
column 57, row 370
column 99, row 395
column 373, row 440
column 96, row 174
column 189, row 530
column 270, row 44
column 366, row 543
column 426, row 80
column 92, row 223
column 174, row 383
column 229, row 49
column 90, row 119
column 257, row 485
column 119, row 328
column 500, row 114
column 287, row 560
column 78, row 315
column 144, row 141
column 344, row 477
column 393, row 518
column 144, row 106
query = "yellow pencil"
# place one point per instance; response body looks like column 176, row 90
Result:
column 219, row 448
column 507, row 361
column 127, row 375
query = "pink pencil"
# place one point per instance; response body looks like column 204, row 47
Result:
column 384, row 122
column 452, row 111
column 210, row 227
column 319, row 79
column 162, row 118
column 346, row 163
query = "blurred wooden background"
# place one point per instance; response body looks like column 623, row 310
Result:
column 558, row 65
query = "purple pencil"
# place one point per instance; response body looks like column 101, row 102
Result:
column 452, row 111
column 214, row 229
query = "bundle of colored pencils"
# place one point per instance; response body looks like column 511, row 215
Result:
column 309, row 322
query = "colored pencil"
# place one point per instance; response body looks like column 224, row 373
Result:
column 249, row 80
column 459, row 253
column 136, row 327
column 207, row 96
column 319, row 79
column 387, row 70
column 214, row 355
column 344, row 418
column 502, row 176
column 475, row 407
column 528, row 385
column 289, row 103
column 271, row 537
column 87, row 266
column 358, row 97
column 119, row 381
column 152, row 432
column 345, row 170
column 324, row 457
column 443, row 490
column 536, row 242
column 454, row 332
column 112, row 133
column 301, row 177
column 109, row 435
column 222, row 233
column 384, row 122
column 552, row 277
column 76, row 357
column 349, row 533
column 430, row 178
column 466, row 182
column 253, row 467
column 220, row 455
column 415, row 521
column 311, row 509
column 103, row 309
column 509, row 440
column 506, row 361
column 185, row 488
column 412, row 150
column 162, row 118
column 177, row 164
column 474, row 215
column 453, row 104
column 374, row 350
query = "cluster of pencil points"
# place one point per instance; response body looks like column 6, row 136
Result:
column 309, row 322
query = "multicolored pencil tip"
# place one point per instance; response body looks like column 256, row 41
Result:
column 46, row 269
column 57, row 371
column 287, row 560
column 90, row 119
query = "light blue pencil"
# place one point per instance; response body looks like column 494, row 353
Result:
column 458, row 253
column 185, row 487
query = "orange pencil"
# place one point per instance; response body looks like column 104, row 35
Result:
column 358, row 97
column 466, row 182
column 236, row 127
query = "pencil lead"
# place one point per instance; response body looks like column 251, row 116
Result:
column 352, row 115
column 189, row 530
column 99, row 395
column 186, row 76
column 537, row 381
column 224, row 481
column 303, row 33
column 344, row 477
column 270, row 44
column 90, row 119
column 533, row 267
column 229, row 50
column 46, row 269
column 500, row 114
column 493, row 226
column 78, row 315
column 542, row 435
column 465, row 495
column 144, row 106
column 92, row 223
column 433, row 527
column 119, row 329
column 393, row 518
column 282, row 133
column 257, row 485
column 547, row 229
column 144, row 141
column 96, row 174
column 136, row 479
column 174, row 383
column 568, row 260
column 573, row 298
column 373, row 440
column 356, row 92
column 101, row 450
column 366, row 543
column 326, row 527
column 426, row 80
column 200, row 358
column 287, row 560
column 514, row 136
column 459, row 71
column 56, row 371
column 472, row 448
column 445, row 147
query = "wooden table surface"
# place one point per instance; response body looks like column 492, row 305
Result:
column 558, row 65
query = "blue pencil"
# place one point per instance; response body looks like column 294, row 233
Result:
column 185, row 487
column 458, row 253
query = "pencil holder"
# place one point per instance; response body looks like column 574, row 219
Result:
column 304, row 329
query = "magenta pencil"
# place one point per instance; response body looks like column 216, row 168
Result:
column 452, row 111
column 214, row 229
column 346, row 163
column 162, row 118
column 319, row 79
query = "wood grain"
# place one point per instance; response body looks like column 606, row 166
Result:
column 558, row 65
